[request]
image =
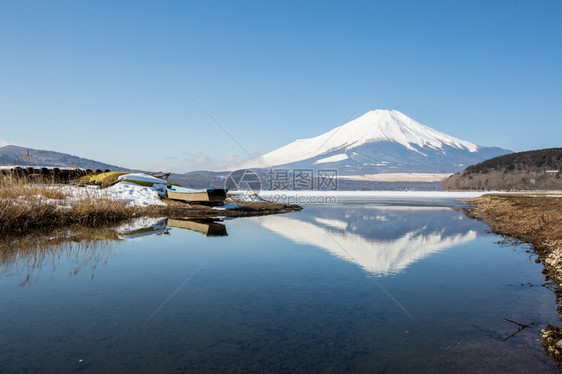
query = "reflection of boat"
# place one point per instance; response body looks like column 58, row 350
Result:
column 142, row 227
column 215, row 195
column 207, row 227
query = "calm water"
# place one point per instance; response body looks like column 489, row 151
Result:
column 347, row 288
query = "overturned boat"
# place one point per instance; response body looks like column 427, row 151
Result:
column 104, row 179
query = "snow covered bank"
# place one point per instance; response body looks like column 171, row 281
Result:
column 130, row 193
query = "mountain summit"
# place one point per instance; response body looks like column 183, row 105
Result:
column 379, row 141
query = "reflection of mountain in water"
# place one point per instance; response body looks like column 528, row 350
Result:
column 382, row 241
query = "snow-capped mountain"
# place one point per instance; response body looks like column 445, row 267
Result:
column 380, row 141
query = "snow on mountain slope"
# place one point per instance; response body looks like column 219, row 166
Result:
column 339, row 157
column 374, row 126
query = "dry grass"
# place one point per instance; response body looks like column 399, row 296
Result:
column 535, row 219
column 25, row 207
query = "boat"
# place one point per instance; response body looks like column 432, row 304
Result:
column 109, row 178
column 102, row 179
column 141, row 179
column 211, row 195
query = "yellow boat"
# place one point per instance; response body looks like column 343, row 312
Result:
column 102, row 179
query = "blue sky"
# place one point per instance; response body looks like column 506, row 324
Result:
column 80, row 77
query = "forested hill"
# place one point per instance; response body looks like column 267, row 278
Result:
column 529, row 170
column 12, row 155
column 542, row 159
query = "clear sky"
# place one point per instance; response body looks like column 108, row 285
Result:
column 81, row 77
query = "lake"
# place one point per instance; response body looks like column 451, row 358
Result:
column 355, row 287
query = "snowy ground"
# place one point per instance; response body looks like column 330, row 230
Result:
column 130, row 193
column 380, row 194
column 341, row 197
column 398, row 177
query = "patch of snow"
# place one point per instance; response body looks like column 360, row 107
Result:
column 130, row 193
column 133, row 194
column 402, row 195
column 226, row 206
column 243, row 197
column 339, row 157
column 398, row 177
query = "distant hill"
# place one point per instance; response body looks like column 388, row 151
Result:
column 12, row 155
column 529, row 170
column 210, row 179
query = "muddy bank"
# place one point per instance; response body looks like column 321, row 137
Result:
column 179, row 209
column 535, row 218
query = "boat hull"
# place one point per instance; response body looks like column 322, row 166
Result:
column 212, row 196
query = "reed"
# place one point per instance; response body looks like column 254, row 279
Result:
column 26, row 206
column 29, row 256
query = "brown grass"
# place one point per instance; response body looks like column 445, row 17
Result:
column 25, row 207
column 28, row 205
column 533, row 218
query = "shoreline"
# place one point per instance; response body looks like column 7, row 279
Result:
column 104, row 213
column 176, row 209
column 27, row 207
column 534, row 218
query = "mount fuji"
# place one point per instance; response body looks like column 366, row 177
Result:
column 380, row 141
